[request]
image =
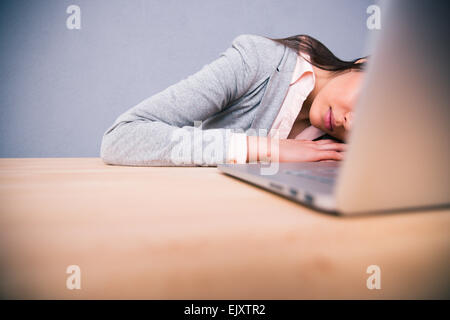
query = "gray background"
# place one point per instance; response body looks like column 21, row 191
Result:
column 61, row 89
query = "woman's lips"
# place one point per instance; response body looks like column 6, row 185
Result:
column 328, row 120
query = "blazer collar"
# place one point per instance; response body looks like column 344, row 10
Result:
column 276, row 90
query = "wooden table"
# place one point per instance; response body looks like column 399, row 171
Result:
column 194, row 233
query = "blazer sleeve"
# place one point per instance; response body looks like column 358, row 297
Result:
column 160, row 131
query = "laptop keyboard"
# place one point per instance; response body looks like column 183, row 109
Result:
column 322, row 175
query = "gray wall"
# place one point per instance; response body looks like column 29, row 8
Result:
column 60, row 89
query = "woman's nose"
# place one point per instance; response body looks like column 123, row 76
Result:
column 348, row 120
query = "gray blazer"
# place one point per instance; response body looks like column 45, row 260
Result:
column 241, row 91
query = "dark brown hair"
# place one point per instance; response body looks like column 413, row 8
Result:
column 319, row 55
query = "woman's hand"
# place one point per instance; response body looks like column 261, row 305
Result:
column 290, row 150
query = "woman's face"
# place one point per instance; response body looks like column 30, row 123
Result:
column 332, row 108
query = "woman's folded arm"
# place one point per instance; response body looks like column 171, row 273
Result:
column 161, row 129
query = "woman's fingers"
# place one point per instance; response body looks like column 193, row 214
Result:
column 303, row 150
column 329, row 155
column 325, row 141
column 333, row 146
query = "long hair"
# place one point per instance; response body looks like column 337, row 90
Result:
column 319, row 55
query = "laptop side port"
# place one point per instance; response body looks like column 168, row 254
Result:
column 293, row 192
column 309, row 199
column 276, row 186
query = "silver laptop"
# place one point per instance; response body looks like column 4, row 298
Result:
column 398, row 150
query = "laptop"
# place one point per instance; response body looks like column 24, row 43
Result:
column 398, row 150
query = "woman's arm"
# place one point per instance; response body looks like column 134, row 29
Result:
column 153, row 132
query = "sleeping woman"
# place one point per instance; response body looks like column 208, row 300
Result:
column 262, row 99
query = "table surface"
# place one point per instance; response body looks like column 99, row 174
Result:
column 195, row 233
